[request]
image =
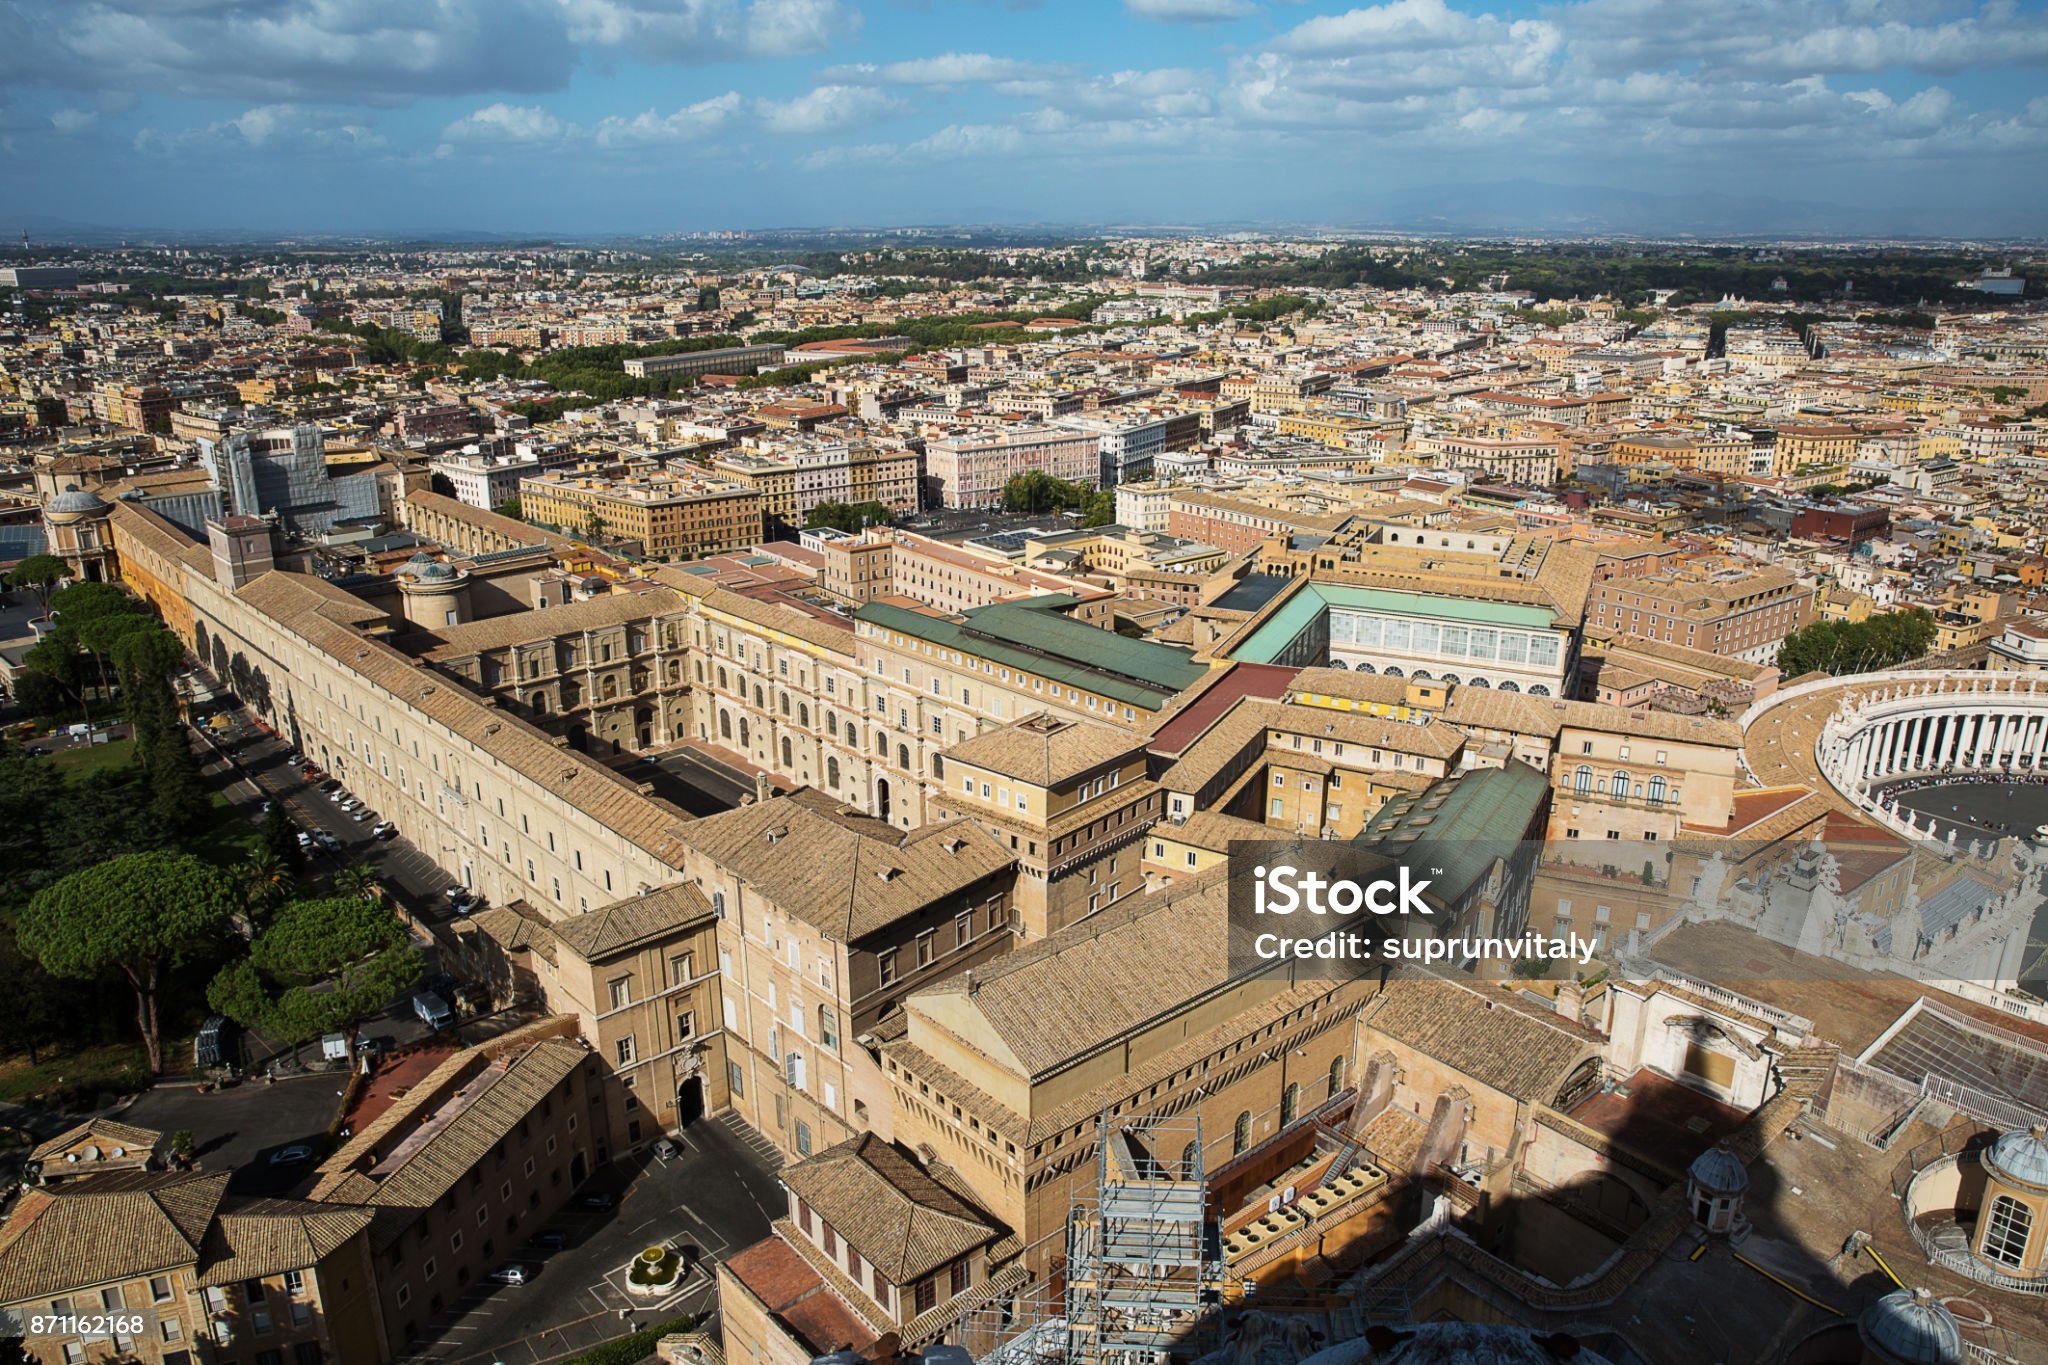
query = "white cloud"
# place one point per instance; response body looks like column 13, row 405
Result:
column 1191, row 11
column 950, row 68
column 970, row 139
column 73, row 121
column 828, row 109
column 688, row 123
column 709, row 30
column 290, row 50
column 507, row 123
column 279, row 128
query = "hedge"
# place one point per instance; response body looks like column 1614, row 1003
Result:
column 630, row 1350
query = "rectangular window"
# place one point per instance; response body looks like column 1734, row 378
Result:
column 622, row 992
column 927, row 1296
column 625, row 1051
column 958, row 1277
column 886, row 960
column 927, row 947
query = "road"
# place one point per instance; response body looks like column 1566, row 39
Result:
column 718, row 1195
column 240, row 1127
column 412, row 878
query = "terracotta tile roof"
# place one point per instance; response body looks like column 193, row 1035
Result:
column 1055, row 999
column 465, row 1122
column 1481, row 1033
column 816, row 1298
column 518, row 926
column 613, row 929
column 112, row 1227
column 548, row 623
column 270, row 1236
column 102, row 1132
column 326, row 618
column 1045, row 749
column 888, row 1209
column 844, row 874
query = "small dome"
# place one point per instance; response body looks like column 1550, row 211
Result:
column 433, row 571
column 2022, row 1155
column 75, row 501
column 1910, row 1326
column 1719, row 1171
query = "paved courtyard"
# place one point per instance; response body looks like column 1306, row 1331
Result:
column 717, row 1195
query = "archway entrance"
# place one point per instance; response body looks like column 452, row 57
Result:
column 882, row 798
column 689, row 1101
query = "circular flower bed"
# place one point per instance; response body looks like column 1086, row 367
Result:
column 654, row 1272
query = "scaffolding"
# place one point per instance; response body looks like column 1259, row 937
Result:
column 1142, row 1268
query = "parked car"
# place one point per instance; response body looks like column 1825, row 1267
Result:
column 548, row 1241
column 664, row 1150
column 384, row 829
column 596, row 1202
column 509, row 1274
column 328, row 841
column 362, row 813
column 305, row 842
column 293, row 1155
column 331, row 784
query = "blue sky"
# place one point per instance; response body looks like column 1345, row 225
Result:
column 576, row 116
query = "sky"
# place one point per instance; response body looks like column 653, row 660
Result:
column 647, row 116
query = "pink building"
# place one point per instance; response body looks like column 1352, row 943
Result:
column 969, row 468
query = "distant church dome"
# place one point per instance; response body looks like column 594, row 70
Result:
column 75, row 502
column 2022, row 1155
column 1909, row 1326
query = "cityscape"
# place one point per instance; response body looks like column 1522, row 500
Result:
column 1138, row 684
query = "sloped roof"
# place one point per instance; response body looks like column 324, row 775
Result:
column 270, row 1236
column 904, row 1222
column 103, row 1132
column 112, row 1227
column 844, row 874
column 1046, row 749
column 1065, row 651
column 613, row 929
column 1482, row 1033
column 1459, row 825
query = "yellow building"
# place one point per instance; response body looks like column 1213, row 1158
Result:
column 672, row 517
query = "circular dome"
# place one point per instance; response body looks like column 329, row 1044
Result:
column 2022, row 1155
column 1910, row 1326
column 1719, row 1171
column 434, row 571
column 75, row 501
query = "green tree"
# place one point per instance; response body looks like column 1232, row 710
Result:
column 262, row 881
column 320, row 966
column 39, row 574
column 1100, row 509
column 508, row 508
column 280, row 839
column 1038, row 491
column 1845, row 647
column 358, row 881
column 138, row 915
column 847, row 516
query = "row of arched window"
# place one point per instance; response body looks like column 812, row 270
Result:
column 1583, row 781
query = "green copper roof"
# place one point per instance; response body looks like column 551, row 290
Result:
column 1280, row 629
column 1033, row 637
column 1460, row 824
